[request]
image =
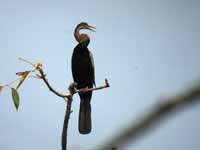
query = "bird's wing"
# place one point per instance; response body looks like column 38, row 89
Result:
column 92, row 61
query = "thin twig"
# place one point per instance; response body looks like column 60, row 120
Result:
column 159, row 112
column 51, row 88
column 26, row 61
column 12, row 82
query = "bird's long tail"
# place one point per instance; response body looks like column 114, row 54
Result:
column 85, row 124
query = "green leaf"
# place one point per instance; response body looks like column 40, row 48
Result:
column 23, row 77
column 15, row 97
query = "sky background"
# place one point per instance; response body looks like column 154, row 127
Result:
column 146, row 48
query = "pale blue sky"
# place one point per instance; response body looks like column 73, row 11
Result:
column 146, row 49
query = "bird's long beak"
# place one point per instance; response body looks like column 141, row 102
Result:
column 91, row 28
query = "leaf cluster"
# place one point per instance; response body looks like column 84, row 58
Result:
column 21, row 77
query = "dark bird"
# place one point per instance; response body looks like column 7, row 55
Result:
column 83, row 75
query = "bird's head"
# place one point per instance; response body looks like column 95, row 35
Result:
column 83, row 37
column 84, row 25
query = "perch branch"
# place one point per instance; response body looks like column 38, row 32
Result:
column 85, row 90
column 158, row 113
column 68, row 95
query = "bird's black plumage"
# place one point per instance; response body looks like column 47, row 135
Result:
column 83, row 75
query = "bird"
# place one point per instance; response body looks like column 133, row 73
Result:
column 83, row 72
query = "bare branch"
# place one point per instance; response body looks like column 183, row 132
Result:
column 69, row 95
column 67, row 116
column 51, row 88
column 12, row 82
column 26, row 61
column 85, row 90
column 158, row 113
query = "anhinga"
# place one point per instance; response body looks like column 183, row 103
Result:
column 83, row 75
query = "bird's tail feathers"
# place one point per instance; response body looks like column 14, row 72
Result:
column 85, row 124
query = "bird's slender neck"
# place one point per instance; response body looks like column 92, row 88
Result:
column 81, row 38
column 77, row 33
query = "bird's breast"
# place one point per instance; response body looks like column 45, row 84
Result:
column 82, row 69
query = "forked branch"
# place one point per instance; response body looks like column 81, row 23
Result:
column 68, row 97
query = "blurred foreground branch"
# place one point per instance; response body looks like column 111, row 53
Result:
column 158, row 113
